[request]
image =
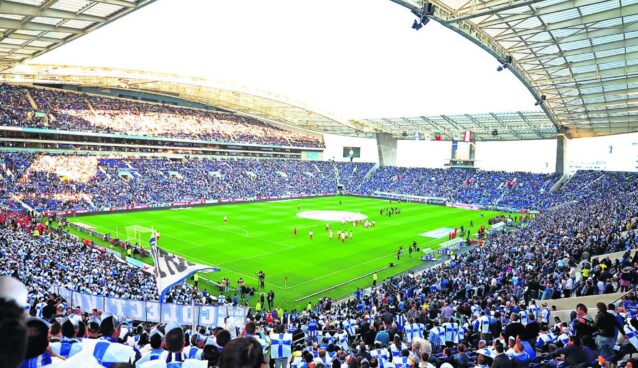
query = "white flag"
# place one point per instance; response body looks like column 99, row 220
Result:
column 171, row 270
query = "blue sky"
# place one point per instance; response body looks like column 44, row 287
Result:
column 352, row 58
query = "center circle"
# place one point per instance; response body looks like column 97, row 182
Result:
column 332, row 215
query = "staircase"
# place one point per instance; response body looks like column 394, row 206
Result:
column 32, row 101
column 103, row 171
column 496, row 202
column 90, row 106
column 371, row 172
column 7, row 172
column 367, row 176
column 561, row 182
column 88, row 200
column 336, row 174
column 26, row 206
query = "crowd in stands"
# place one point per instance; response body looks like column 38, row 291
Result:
column 491, row 306
column 516, row 190
column 77, row 182
column 54, row 259
column 62, row 110
column 72, row 182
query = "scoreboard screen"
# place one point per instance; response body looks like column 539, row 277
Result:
column 354, row 152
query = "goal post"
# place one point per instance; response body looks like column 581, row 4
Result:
column 137, row 234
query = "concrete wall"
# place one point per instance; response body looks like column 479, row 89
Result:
column 613, row 153
column 538, row 156
column 430, row 154
column 387, row 149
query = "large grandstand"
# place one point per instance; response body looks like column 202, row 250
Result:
column 500, row 239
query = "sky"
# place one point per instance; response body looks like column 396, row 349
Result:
column 349, row 58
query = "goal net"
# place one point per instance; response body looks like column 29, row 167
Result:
column 137, row 234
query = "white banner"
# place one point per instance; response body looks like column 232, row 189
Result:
column 139, row 310
column 172, row 270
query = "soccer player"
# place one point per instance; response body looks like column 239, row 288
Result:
column 350, row 234
column 294, row 231
column 327, row 227
column 330, row 234
column 225, row 219
column 310, row 234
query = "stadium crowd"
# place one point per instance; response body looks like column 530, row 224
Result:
column 79, row 182
column 74, row 182
column 487, row 307
column 62, row 110
column 516, row 190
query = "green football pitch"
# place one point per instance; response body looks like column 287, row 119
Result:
column 259, row 236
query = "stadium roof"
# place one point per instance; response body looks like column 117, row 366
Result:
column 492, row 126
column 233, row 97
column 29, row 28
column 581, row 55
column 510, row 126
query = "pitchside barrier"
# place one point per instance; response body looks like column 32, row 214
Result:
column 139, row 310
column 409, row 198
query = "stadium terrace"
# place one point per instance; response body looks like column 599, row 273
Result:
column 155, row 220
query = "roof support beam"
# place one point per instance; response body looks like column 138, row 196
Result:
column 9, row 7
column 436, row 126
column 582, row 50
column 20, row 36
column 554, row 8
column 31, row 26
column 603, row 106
column 626, row 27
column 530, row 125
column 122, row 3
column 624, row 11
column 502, row 123
column 587, row 77
column 453, row 123
column 487, row 9
column 601, row 60
column 477, row 123
column 24, row 47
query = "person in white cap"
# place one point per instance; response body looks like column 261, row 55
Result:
column 156, row 339
column 107, row 350
column 174, row 356
column 69, row 345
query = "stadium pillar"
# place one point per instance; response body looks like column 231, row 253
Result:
column 561, row 151
column 387, row 148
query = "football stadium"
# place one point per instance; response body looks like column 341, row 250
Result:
column 439, row 184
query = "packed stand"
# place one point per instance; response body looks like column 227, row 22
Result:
column 64, row 110
column 517, row 190
column 45, row 258
column 487, row 307
column 76, row 182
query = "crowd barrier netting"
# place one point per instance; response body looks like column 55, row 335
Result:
column 139, row 310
